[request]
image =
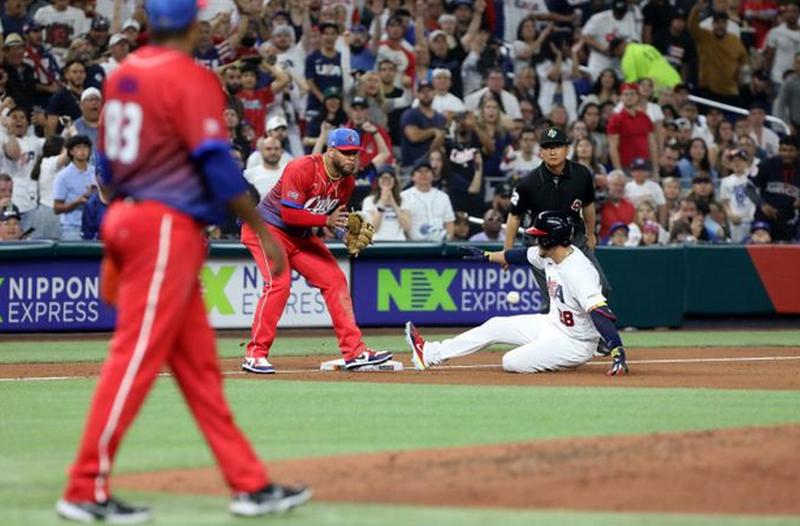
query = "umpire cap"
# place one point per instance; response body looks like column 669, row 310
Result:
column 551, row 228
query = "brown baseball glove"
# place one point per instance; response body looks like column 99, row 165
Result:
column 359, row 232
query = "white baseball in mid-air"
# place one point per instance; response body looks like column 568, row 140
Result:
column 513, row 297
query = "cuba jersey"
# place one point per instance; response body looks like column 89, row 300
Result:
column 305, row 185
column 574, row 288
column 161, row 108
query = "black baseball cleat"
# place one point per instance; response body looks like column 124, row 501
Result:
column 112, row 511
column 270, row 499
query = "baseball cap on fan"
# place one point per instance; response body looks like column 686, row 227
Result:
column 344, row 139
column 172, row 15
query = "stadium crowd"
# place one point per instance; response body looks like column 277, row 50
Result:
column 450, row 98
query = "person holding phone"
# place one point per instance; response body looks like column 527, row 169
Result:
column 73, row 187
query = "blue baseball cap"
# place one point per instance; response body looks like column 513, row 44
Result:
column 172, row 15
column 344, row 139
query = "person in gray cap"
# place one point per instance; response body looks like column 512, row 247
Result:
column 557, row 184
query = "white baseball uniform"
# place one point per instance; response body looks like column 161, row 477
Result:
column 564, row 338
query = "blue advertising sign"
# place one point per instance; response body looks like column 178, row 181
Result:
column 439, row 292
column 40, row 296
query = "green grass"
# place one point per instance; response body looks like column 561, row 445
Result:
column 41, row 428
column 95, row 350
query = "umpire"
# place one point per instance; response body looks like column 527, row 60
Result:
column 557, row 184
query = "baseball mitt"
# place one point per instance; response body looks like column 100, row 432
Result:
column 359, row 232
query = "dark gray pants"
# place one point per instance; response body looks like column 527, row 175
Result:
column 541, row 280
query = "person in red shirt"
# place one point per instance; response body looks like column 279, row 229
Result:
column 165, row 162
column 630, row 131
column 616, row 208
column 359, row 116
column 312, row 192
column 256, row 101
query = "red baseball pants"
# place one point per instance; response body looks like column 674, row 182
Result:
column 160, row 318
column 314, row 261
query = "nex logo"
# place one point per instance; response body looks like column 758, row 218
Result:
column 214, row 286
column 419, row 289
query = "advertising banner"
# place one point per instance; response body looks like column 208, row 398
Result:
column 439, row 292
column 47, row 295
column 233, row 286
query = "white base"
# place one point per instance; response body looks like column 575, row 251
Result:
column 338, row 365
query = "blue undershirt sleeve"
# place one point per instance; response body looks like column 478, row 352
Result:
column 219, row 170
column 517, row 256
column 603, row 320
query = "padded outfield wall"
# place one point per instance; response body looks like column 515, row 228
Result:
column 54, row 287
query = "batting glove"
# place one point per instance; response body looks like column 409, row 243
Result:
column 619, row 366
column 473, row 253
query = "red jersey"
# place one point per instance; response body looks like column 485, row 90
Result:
column 304, row 187
column 633, row 131
column 622, row 211
column 255, row 103
column 369, row 146
column 161, row 108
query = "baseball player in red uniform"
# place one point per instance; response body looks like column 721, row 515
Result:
column 165, row 161
column 312, row 192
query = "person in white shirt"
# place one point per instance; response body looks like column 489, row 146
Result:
column 602, row 28
column 384, row 205
column 495, row 81
column 443, row 101
column 738, row 207
column 20, row 152
column 641, row 188
column 264, row 176
column 526, row 158
column 783, row 43
column 564, row 338
column 118, row 48
column 432, row 215
column 62, row 22
column 765, row 138
column 277, row 128
column 54, row 158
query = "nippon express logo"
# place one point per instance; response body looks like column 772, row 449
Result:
column 28, row 300
column 471, row 289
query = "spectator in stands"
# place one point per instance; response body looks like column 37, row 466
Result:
column 44, row 63
column 650, row 234
column 495, row 82
column 631, row 133
column 716, row 222
column 432, row 214
column 676, row 43
column 62, row 23
column 20, row 153
column 440, row 169
column 642, row 188
column 529, row 43
column 557, row 68
column 733, row 196
column 668, row 163
column 493, row 134
column 64, row 106
column 54, row 157
column 760, row 234
column 618, row 235
column 616, row 208
column 10, row 229
column 583, row 153
column 396, row 99
column 501, row 202
column 492, row 229
column 91, row 104
column 775, row 191
column 643, row 61
column 445, row 102
column 14, row 16
column 264, row 175
column 764, row 138
column 362, row 58
column 256, row 101
column 375, row 149
column 645, row 213
column 332, row 112
column 605, row 88
column 118, row 48
column 92, row 216
column 277, row 127
column 782, row 44
column 702, row 190
column 392, row 221
column 462, row 230
column 696, row 163
column 787, row 107
column 323, row 68
column 465, row 181
column 671, row 186
column 20, row 77
column 6, row 188
column 760, row 14
column 724, row 140
column 73, row 186
column 602, row 28
column 397, row 48
column 721, row 56
column 423, row 128
column 522, row 160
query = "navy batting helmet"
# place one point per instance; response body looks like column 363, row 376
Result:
column 552, row 228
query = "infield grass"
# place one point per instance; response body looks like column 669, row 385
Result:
column 94, row 350
column 42, row 421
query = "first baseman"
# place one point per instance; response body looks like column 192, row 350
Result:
column 564, row 338
column 165, row 161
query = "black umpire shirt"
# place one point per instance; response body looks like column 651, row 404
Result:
column 569, row 192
